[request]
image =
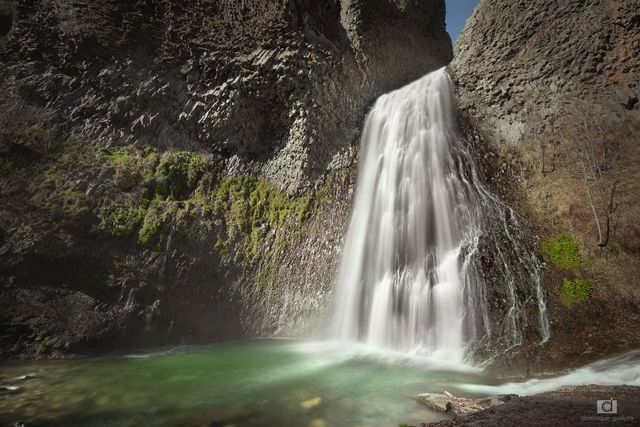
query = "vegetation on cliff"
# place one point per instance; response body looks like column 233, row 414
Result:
column 175, row 212
column 563, row 252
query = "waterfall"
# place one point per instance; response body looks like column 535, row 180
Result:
column 410, row 277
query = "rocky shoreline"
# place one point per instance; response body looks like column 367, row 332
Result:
column 558, row 397
column 568, row 406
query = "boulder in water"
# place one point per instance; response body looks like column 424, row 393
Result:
column 449, row 403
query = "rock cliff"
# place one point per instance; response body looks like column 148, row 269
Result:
column 516, row 61
column 181, row 171
column 549, row 90
column 277, row 89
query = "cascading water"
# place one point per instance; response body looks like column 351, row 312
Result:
column 410, row 278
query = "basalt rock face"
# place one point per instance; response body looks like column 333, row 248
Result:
column 516, row 59
column 278, row 89
column 182, row 171
column 548, row 93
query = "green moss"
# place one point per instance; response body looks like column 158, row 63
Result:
column 123, row 221
column 303, row 207
column 563, row 252
column 247, row 210
column 41, row 348
column 222, row 248
column 39, row 133
column 576, row 291
column 67, row 204
column 251, row 220
column 178, row 174
column 120, row 157
column 155, row 221
column 73, row 202
column 251, row 209
column 122, row 274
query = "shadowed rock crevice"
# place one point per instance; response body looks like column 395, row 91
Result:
column 6, row 17
column 6, row 21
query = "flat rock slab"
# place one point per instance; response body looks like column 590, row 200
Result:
column 449, row 403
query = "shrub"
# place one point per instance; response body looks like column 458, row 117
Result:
column 180, row 174
column 153, row 224
column 123, row 220
column 576, row 291
column 563, row 251
column 120, row 157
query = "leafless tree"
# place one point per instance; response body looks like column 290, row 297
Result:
column 595, row 145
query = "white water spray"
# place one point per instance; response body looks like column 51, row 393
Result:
column 409, row 277
column 622, row 369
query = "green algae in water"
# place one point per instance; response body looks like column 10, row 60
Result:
column 253, row 383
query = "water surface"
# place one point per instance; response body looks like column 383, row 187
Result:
column 251, row 383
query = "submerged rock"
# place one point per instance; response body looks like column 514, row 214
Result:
column 449, row 403
column 311, row 403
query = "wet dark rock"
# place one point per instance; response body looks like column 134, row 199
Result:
column 631, row 103
column 6, row 17
column 26, row 377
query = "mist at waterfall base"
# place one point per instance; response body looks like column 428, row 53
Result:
column 411, row 306
column 411, row 278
